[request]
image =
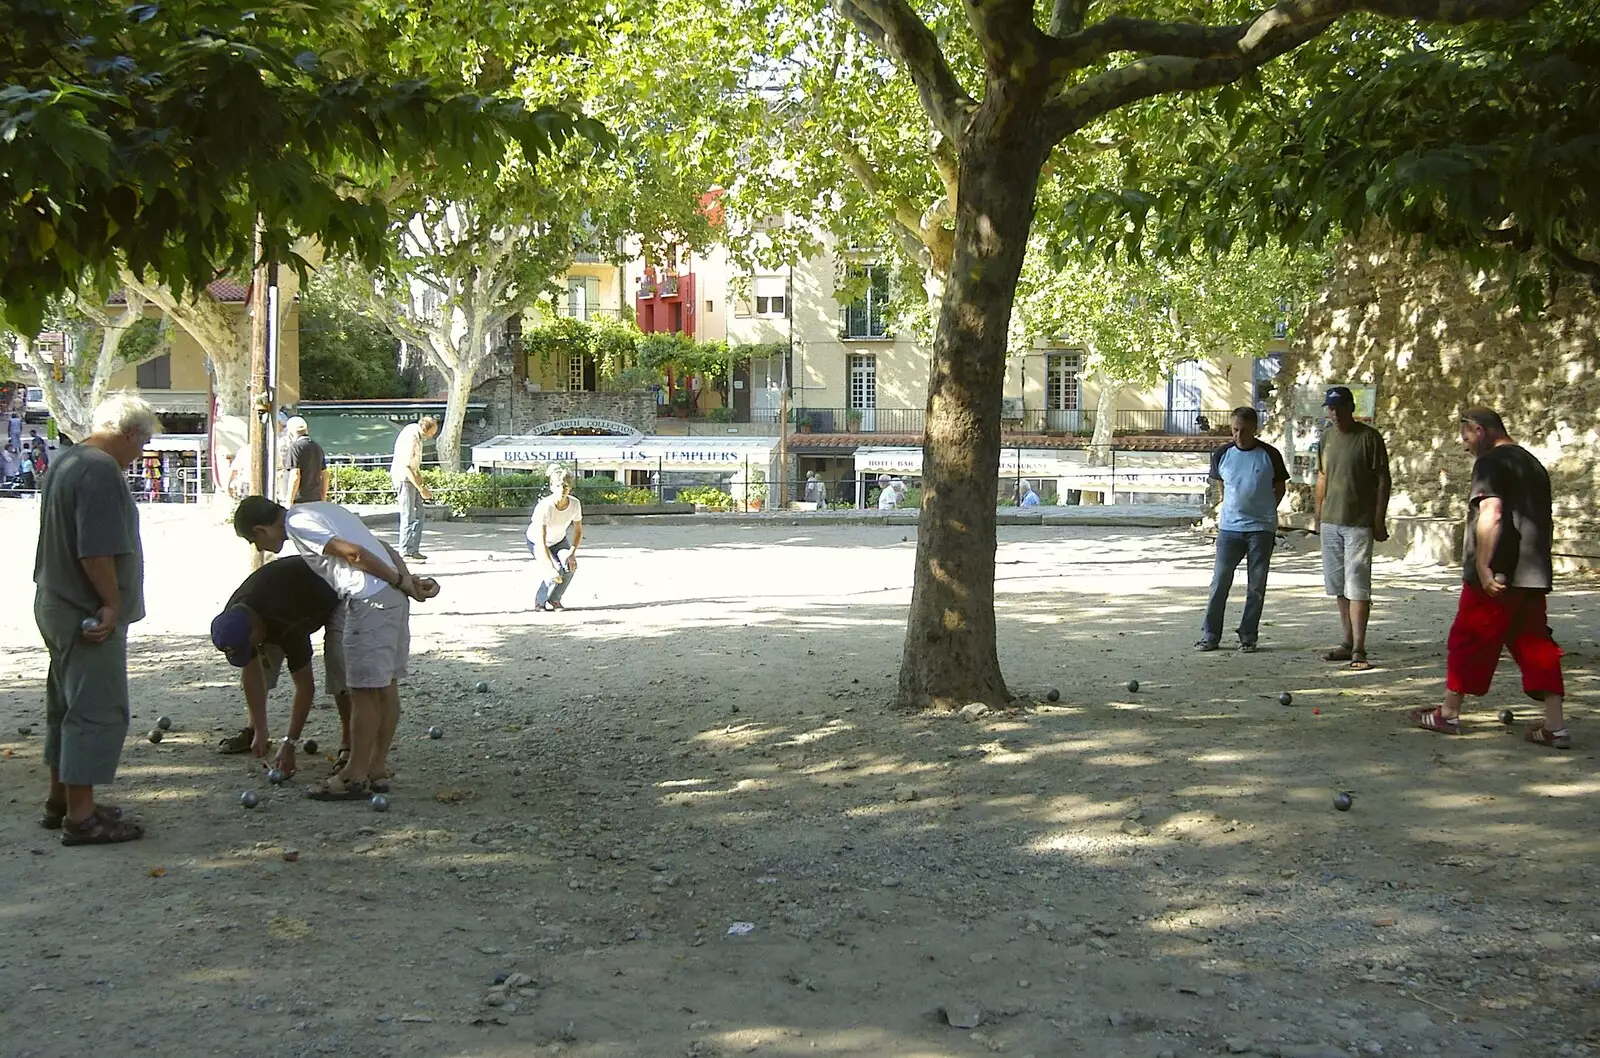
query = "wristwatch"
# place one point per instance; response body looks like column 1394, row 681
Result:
column 287, row 741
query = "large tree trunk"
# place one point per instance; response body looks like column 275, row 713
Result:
column 455, row 417
column 1104, row 422
column 950, row 656
column 206, row 320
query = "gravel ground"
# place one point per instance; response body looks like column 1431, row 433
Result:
column 683, row 820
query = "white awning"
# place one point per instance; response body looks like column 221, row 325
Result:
column 177, row 442
column 1035, row 462
column 630, row 453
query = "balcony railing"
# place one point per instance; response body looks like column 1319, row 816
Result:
column 1038, row 421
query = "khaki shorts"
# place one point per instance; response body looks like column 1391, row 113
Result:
column 1347, row 561
column 334, row 680
column 377, row 638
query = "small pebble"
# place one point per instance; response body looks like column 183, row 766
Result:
column 1133, row 686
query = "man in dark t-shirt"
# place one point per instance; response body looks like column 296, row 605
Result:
column 1506, row 575
column 266, row 626
column 306, row 465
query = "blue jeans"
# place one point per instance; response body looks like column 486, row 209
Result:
column 410, row 519
column 1231, row 547
column 549, row 589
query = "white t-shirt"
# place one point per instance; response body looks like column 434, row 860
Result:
column 889, row 498
column 312, row 525
column 556, row 522
column 407, row 454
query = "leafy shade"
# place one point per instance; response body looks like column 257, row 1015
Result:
column 156, row 134
column 1482, row 142
column 345, row 353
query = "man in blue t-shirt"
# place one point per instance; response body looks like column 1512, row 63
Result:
column 1253, row 480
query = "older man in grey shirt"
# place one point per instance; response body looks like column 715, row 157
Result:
column 89, row 587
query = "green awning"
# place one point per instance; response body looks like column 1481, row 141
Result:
column 354, row 435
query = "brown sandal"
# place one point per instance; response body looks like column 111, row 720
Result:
column 98, row 830
column 55, row 812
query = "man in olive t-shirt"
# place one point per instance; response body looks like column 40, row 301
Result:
column 89, row 587
column 1352, row 513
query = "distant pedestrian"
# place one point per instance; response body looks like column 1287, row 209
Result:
column 1352, row 513
column 1506, row 576
column 306, row 464
column 10, row 463
column 1253, row 479
column 89, row 577
column 554, row 532
column 1026, row 497
column 816, row 492
column 405, row 471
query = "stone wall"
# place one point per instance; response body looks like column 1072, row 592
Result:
column 514, row 411
column 1435, row 339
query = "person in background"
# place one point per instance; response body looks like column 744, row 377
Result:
column 1253, row 479
column 1352, row 514
column 10, row 463
column 1506, row 577
column 1026, row 497
column 405, row 471
column 816, row 492
column 554, row 532
column 89, row 588
column 888, row 495
column 306, row 465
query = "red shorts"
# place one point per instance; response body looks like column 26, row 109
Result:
column 1516, row 621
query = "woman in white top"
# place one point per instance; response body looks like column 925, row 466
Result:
column 554, row 533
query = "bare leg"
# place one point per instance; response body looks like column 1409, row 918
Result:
column 1344, row 619
column 58, row 793
column 342, row 701
column 1554, row 719
column 1355, row 616
column 366, row 708
column 389, row 720
column 80, row 802
column 1452, row 704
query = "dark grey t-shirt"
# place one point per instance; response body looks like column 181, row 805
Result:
column 306, row 456
column 1519, row 480
column 85, row 511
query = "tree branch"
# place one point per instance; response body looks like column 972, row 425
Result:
column 1074, row 51
column 895, row 28
column 1067, row 17
column 1162, row 75
column 905, row 218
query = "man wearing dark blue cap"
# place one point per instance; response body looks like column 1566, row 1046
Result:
column 1352, row 513
column 266, row 625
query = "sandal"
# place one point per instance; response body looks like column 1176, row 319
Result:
column 243, row 742
column 381, row 783
column 350, row 791
column 98, row 830
column 55, row 812
column 1358, row 660
column 1435, row 720
column 1204, row 646
column 1540, row 735
column 1342, row 652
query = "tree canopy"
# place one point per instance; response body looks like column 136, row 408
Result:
column 154, row 136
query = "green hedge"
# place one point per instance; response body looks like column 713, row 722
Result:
column 706, row 496
column 470, row 489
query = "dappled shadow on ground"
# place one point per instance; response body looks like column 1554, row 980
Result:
column 1109, row 874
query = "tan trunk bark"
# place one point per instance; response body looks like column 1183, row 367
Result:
column 950, row 658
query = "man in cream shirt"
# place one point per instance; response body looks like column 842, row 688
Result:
column 405, row 471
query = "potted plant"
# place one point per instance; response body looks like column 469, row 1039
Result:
column 802, row 423
column 852, row 419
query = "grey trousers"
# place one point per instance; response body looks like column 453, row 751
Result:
column 86, row 695
column 410, row 518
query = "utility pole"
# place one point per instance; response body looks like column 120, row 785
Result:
column 260, row 402
column 783, row 401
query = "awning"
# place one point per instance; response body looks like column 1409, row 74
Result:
column 177, row 442
column 1036, row 462
column 626, row 453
